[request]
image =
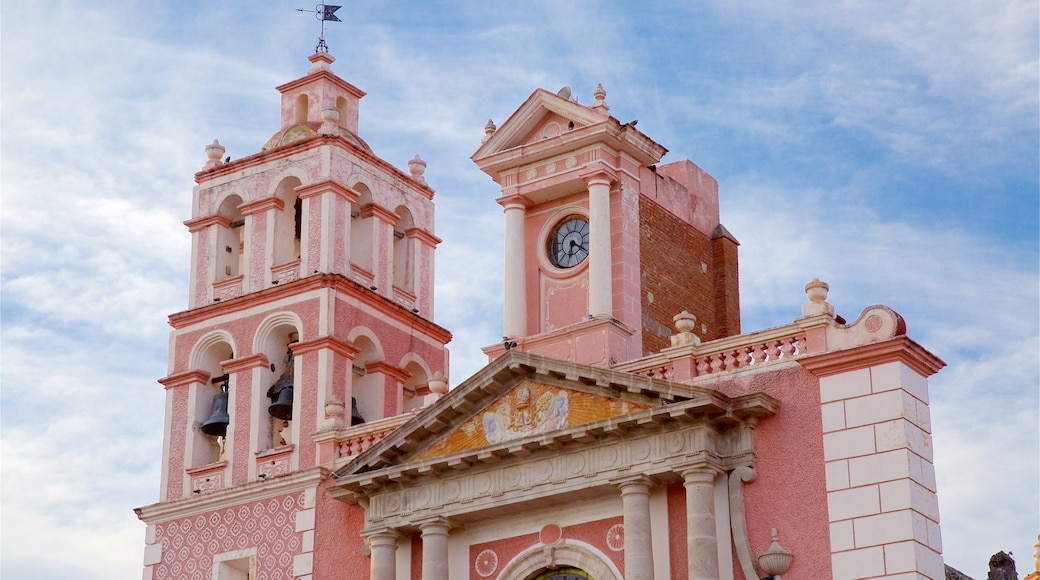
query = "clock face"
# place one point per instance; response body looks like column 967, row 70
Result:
column 569, row 242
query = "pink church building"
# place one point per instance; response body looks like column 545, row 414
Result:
column 626, row 427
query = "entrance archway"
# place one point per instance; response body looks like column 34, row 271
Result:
column 564, row 574
column 567, row 560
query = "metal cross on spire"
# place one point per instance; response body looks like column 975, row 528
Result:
column 323, row 12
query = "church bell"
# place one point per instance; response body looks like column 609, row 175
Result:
column 281, row 407
column 355, row 414
column 219, row 420
column 281, row 393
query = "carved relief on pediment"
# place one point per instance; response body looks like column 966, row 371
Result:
column 528, row 409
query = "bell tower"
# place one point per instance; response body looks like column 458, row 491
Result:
column 308, row 335
column 603, row 246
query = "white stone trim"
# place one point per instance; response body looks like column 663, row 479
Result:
column 566, row 553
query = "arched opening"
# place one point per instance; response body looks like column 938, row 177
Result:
column 274, row 413
column 569, row 573
column 287, row 226
column 403, row 258
column 361, row 229
column 209, row 447
column 230, row 240
column 575, row 557
column 367, row 387
column 301, row 109
column 415, row 388
column 341, row 104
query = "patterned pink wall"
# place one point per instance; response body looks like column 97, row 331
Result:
column 268, row 525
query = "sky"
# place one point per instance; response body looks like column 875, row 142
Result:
column 889, row 148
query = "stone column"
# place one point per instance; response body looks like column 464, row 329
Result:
column 600, row 291
column 701, row 544
column 639, row 548
column 515, row 289
column 435, row 548
column 383, row 561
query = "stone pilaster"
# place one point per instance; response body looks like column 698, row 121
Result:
column 435, row 548
column 639, row 552
column 701, row 544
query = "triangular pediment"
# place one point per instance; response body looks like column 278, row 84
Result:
column 522, row 404
column 533, row 120
column 547, row 125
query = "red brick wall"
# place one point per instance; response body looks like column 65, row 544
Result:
column 672, row 253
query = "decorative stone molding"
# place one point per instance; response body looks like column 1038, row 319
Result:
column 459, row 485
column 568, row 552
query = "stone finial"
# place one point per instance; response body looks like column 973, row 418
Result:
column 334, row 413
column 776, row 560
column 600, row 95
column 416, row 168
column 438, row 388
column 816, row 291
column 685, row 323
column 438, row 384
column 489, row 130
column 320, row 61
column 329, row 120
column 214, row 151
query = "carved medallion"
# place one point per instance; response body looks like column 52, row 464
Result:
column 486, row 563
column 616, row 537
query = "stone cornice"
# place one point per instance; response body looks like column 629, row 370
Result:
column 424, row 237
column 245, row 363
column 901, row 349
column 261, row 205
column 189, row 506
column 184, row 378
column 573, row 464
column 332, row 343
column 327, row 186
column 711, row 412
column 299, row 288
column 363, row 157
column 201, row 223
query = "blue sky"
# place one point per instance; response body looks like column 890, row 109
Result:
column 889, row 148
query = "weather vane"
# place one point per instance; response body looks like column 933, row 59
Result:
column 323, row 12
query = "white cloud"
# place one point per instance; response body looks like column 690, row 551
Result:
column 822, row 121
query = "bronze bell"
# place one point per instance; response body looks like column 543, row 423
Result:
column 355, row 414
column 281, row 406
column 281, row 391
column 219, row 419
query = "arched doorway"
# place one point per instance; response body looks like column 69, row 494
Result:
column 563, row 574
column 567, row 560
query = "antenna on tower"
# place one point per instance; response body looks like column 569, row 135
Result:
column 323, row 12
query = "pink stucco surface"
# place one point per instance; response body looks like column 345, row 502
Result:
column 789, row 492
column 338, row 545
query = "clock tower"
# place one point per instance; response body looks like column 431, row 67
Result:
column 603, row 245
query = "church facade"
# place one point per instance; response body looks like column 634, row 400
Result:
column 624, row 428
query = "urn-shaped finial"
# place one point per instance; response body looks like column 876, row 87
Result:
column 776, row 560
column 214, row 151
column 685, row 323
column 489, row 130
column 438, row 384
column 816, row 291
column 329, row 120
column 600, row 95
column 416, row 168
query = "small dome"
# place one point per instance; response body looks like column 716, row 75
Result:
column 304, row 130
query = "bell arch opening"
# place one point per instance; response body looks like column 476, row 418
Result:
column 229, row 240
column 211, row 421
